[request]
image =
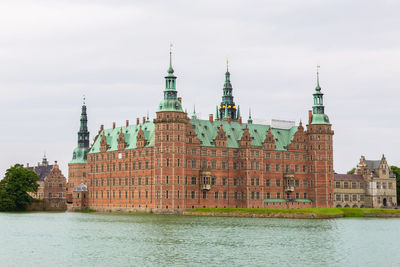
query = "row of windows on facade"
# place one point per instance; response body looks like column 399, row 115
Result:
column 55, row 195
column 224, row 165
column 356, row 197
column 204, row 152
column 194, row 180
column 50, row 185
column 355, row 185
column 254, row 195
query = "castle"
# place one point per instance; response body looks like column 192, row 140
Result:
column 176, row 162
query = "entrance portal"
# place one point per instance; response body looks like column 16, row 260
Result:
column 384, row 202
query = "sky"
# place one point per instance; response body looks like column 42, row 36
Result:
column 116, row 54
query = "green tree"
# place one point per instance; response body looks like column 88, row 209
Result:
column 352, row 171
column 15, row 186
column 396, row 171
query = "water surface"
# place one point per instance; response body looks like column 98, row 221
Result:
column 78, row 239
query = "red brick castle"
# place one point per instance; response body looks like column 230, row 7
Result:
column 174, row 162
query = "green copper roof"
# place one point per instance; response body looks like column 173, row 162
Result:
column 320, row 119
column 130, row 135
column 207, row 131
column 79, row 155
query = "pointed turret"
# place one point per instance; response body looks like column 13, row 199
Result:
column 216, row 113
column 194, row 115
column 80, row 152
column 318, row 111
column 170, row 101
column 227, row 98
column 250, row 120
column 83, row 134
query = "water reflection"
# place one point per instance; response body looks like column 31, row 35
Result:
column 72, row 239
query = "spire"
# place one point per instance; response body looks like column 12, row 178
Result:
column 250, row 120
column 216, row 113
column 147, row 117
column 170, row 69
column 238, row 111
column 170, row 101
column 318, row 109
column 227, row 98
column 194, row 116
column 44, row 160
column 83, row 134
column 318, row 88
column 226, row 113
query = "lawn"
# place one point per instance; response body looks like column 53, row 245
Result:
column 347, row 212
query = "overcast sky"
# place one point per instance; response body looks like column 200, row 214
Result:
column 116, row 53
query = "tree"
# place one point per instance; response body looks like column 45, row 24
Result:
column 396, row 171
column 15, row 186
column 352, row 171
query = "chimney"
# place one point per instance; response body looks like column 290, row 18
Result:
column 102, row 127
column 240, row 120
column 55, row 164
column 211, row 118
column 27, row 165
column 144, row 120
column 127, row 123
column 229, row 119
column 180, row 99
column 137, row 121
column 309, row 117
column 113, row 125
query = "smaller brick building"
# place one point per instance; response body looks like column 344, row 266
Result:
column 52, row 183
column 373, row 185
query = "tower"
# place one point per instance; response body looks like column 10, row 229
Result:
column 227, row 108
column 320, row 151
column 77, row 166
column 170, row 126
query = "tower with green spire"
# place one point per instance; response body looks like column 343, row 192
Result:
column 80, row 152
column 318, row 111
column 227, row 108
column 170, row 101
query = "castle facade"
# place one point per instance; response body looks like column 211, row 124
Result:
column 176, row 162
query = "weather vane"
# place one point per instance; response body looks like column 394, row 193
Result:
column 227, row 64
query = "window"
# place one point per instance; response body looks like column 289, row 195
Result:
column 193, row 193
column 268, row 155
column 278, row 182
column 213, row 164
column 378, row 185
column 216, row 195
column 267, row 182
column 297, row 183
column 268, row 195
column 278, row 167
column 278, row 195
column 224, row 181
column 252, row 195
column 297, row 195
column 224, row 195
column 224, row 165
column 277, row 156
column 354, row 197
column 235, row 181
column 252, row 181
column 337, row 185
column 166, row 194
column 338, row 198
column 213, row 181
column 390, row 186
column 346, row 197
column 305, row 195
column 236, row 195
column 257, row 181
column 257, row 195
column 194, row 180
column 267, row 167
column 167, row 179
column 346, row 185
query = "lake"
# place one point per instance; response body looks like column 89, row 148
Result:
column 79, row 239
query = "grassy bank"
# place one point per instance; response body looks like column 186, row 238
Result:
column 334, row 212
